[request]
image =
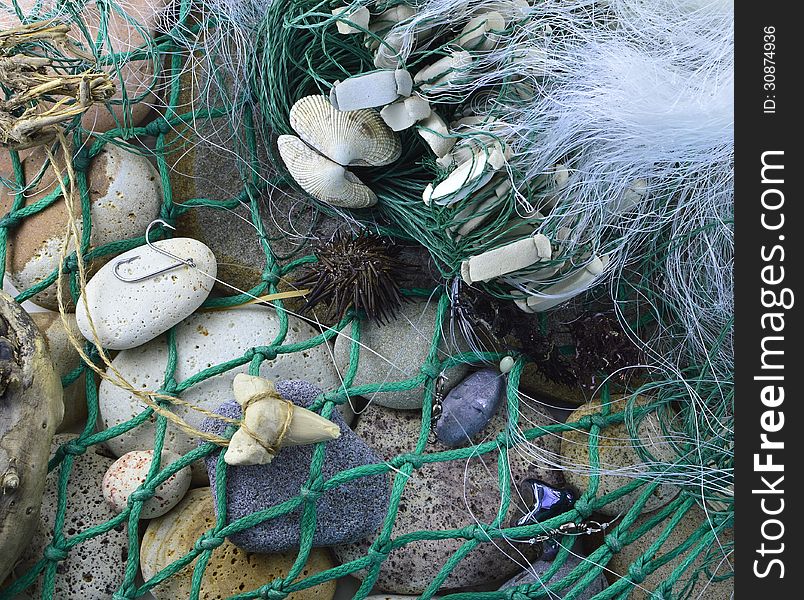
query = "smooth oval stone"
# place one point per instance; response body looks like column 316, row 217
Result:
column 125, row 195
column 535, row 575
column 469, row 406
column 65, row 359
column 129, row 314
column 619, row 462
column 129, row 472
column 230, row 570
column 204, row 340
column 395, row 352
column 347, row 513
column 685, row 529
column 451, row 495
column 95, row 568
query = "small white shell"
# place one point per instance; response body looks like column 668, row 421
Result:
column 350, row 138
column 434, row 131
column 322, row 178
column 443, row 70
column 476, row 35
column 405, row 113
column 358, row 17
column 570, row 287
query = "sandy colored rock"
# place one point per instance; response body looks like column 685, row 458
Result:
column 125, row 194
column 230, row 570
column 617, row 453
column 688, row 527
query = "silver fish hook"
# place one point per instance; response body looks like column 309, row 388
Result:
column 179, row 261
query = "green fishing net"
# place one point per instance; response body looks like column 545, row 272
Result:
column 292, row 66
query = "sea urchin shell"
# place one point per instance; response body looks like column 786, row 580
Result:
column 361, row 273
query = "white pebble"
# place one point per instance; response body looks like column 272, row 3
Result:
column 129, row 472
column 129, row 314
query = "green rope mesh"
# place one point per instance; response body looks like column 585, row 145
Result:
column 691, row 557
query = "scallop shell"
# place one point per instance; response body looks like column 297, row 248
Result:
column 350, row 138
column 323, row 179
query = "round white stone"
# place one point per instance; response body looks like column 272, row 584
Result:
column 204, row 340
column 129, row 472
column 129, row 314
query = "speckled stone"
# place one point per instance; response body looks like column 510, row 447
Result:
column 449, row 495
column 403, row 344
column 130, row 471
column 65, row 359
column 94, row 569
column 125, row 194
column 203, row 340
column 686, row 528
column 348, row 513
column 127, row 314
column 534, row 575
column 616, row 452
column 469, row 406
column 230, row 570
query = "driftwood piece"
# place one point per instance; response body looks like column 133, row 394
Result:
column 30, row 410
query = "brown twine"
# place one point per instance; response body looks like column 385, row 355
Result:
column 272, row 394
column 149, row 398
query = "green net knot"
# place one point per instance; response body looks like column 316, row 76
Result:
column 598, row 420
column 274, row 592
column 10, row 221
column 311, row 492
column 477, row 532
column 614, row 543
column 270, row 277
column 73, row 448
column 431, row 370
column 504, row 439
column 157, row 127
column 141, row 495
column 583, row 508
column 379, row 550
column 81, row 159
column 636, row 572
column 415, row 460
column 55, row 553
column 208, row 541
column 266, row 352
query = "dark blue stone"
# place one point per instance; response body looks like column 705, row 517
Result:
column 348, row 513
column 469, row 406
column 542, row 501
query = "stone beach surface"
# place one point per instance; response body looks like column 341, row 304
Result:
column 345, row 514
column 230, row 570
column 449, row 495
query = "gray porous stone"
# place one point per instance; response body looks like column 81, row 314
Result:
column 469, row 406
column 396, row 352
column 94, row 569
column 345, row 514
column 449, row 495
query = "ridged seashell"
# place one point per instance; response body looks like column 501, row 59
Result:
column 265, row 414
column 350, row 138
column 322, row 178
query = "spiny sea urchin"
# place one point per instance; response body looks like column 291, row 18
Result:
column 360, row 272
